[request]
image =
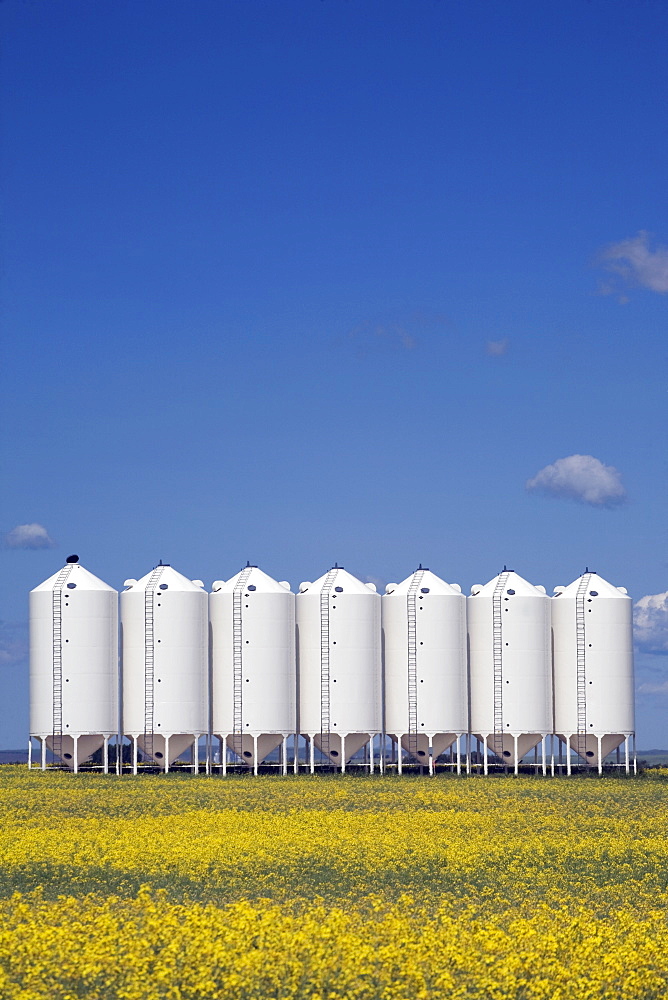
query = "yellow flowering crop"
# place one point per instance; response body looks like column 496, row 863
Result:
column 332, row 888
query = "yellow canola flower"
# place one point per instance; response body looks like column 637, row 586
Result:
column 342, row 888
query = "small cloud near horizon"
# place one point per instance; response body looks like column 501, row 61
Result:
column 636, row 264
column 650, row 623
column 13, row 643
column 28, row 536
column 497, row 348
column 582, row 478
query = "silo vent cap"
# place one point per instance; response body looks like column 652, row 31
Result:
column 72, row 559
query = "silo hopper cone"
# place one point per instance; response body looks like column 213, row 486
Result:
column 354, row 742
column 244, row 748
column 154, row 747
column 86, row 745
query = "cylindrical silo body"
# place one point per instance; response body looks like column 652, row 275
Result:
column 164, row 627
column 73, row 663
column 338, row 643
column 510, row 670
column 253, row 687
column 424, row 648
column 592, row 628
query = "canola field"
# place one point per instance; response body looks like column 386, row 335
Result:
column 332, row 888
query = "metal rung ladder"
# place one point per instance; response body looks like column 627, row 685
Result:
column 581, row 667
column 57, row 646
column 238, row 662
column 497, row 643
column 411, row 605
column 149, row 659
column 325, row 706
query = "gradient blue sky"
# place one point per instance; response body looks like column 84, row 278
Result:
column 306, row 281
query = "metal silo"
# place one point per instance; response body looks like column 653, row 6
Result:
column 592, row 627
column 424, row 642
column 252, row 621
column 164, row 622
column 510, row 666
column 73, row 664
column 338, row 644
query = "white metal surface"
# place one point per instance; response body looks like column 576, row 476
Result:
column 338, row 641
column 424, row 642
column 164, row 620
column 252, row 620
column 510, row 665
column 592, row 625
column 73, row 663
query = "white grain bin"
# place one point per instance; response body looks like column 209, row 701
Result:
column 593, row 666
column 253, row 691
column 510, row 665
column 164, row 623
column 424, row 637
column 73, row 663
column 338, row 644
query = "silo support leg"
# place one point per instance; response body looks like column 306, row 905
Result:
column 255, row 760
column 468, row 753
column 223, row 755
column 134, row 754
column 76, row 755
column 166, row 754
column 343, row 754
column 544, row 755
column 568, row 754
column 626, row 754
column 371, row 755
column 400, row 755
column 459, row 755
column 600, row 761
column 30, row 754
column 295, row 754
column 194, row 758
column 43, row 742
column 105, row 765
column 311, row 750
column 284, row 762
column 485, row 762
column 635, row 759
column 517, row 763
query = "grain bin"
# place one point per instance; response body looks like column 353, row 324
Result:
column 510, row 666
column 252, row 620
column 73, row 664
column 424, row 642
column 338, row 643
column 165, row 663
column 592, row 625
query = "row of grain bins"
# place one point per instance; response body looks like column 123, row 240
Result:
column 254, row 665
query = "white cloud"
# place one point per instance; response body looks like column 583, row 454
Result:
column 582, row 478
column 635, row 262
column 13, row 643
column 496, row 348
column 650, row 621
column 653, row 688
column 29, row 536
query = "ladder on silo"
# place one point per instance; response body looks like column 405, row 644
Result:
column 238, row 663
column 325, row 708
column 411, row 607
column 581, row 667
column 149, row 659
column 497, row 656
column 57, row 647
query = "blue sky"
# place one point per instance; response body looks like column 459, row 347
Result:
column 331, row 280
